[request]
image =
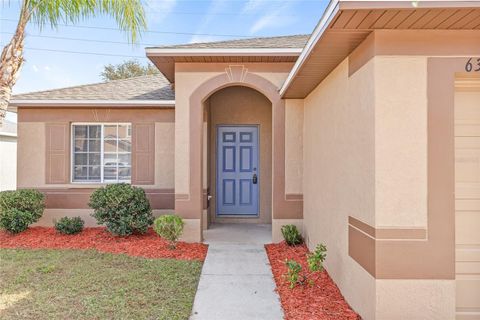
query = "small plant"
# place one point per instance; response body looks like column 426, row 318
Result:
column 291, row 235
column 68, row 225
column 295, row 274
column 169, row 227
column 20, row 208
column 122, row 208
column 316, row 258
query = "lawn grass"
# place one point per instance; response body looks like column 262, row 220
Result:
column 86, row 284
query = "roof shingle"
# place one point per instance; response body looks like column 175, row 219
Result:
column 295, row 41
column 150, row 87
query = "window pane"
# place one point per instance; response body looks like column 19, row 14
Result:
column 94, row 159
column 110, row 173
column 110, row 159
column 80, row 159
column 80, row 173
column 124, row 160
column 94, row 173
column 81, row 145
column 80, row 132
column 110, row 131
column 94, row 132
column 124, row 173
column 123, row 131
column 124, row 146
column 110, row 146
column 94, row 145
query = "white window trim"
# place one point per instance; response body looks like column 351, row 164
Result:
column 72, row 153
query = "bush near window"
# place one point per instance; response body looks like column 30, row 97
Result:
column 169, row 227
column 291, row 235
column 20, row 208
column 68, row 225
column 122, row 208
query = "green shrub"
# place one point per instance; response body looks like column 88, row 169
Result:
column 68, row 225
column 316, row 258
column 291, row 235
column 20, row 208
column 169, row 227
column 122, row 208
column 295, row 273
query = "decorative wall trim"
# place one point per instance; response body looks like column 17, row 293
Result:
column 78, row 198
column 281, row 208
column 429, row 253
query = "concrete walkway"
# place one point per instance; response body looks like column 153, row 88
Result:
column 236, row 280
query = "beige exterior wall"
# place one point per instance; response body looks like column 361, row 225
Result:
column 31, row 164
column 8, row 162
column 400, row 141
column 294, row 146
column 339, row 175
column 365, row 151
column 241, row 105
column 188, row 77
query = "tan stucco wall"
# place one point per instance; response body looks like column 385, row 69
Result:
column 294, row 146
column 339, row 175
column 365, row 151
column 31, row 163
column 188, row 77
column 31, row 157
column 8, row 163
column 241, row 105
column 400, row 141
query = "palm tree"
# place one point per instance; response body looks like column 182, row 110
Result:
column 128, row 14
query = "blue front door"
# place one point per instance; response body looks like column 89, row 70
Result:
column 237, row 170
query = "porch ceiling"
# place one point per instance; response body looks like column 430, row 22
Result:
column 346, row 24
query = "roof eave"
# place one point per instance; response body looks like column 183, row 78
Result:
column 195, row 52
column 322, row 25
column 90, row 103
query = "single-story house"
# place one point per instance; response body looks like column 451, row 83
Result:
column 365, row 134
column 8, row 156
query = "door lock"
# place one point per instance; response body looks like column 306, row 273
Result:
column 254, row 179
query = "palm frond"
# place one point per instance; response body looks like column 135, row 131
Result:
column 128, row 14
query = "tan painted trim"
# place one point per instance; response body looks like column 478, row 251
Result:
column 294, row 197
column 389, row 233
column 57, row 153
column 143, row 153
column 414, row 42
column 78, row 198
column 133, row 115
column 94, row 103
column 281, row 208
column 433, row 258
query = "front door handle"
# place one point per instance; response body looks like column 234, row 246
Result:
column 254, row 179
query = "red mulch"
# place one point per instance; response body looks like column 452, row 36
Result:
column 322, row 301
column 149, row 245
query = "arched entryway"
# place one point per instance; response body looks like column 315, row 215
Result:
column 238, row 175
column 194, row 205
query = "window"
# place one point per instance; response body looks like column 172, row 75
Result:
column 101, row 152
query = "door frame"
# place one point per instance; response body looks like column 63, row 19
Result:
column 242, row 216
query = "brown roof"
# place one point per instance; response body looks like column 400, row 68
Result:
column 151, row 87
column 295, row 41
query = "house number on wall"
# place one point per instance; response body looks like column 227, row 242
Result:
column 473, row 65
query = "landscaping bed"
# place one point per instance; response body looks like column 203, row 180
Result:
column 87, row 284
column 319, row 301
column 148, row 245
